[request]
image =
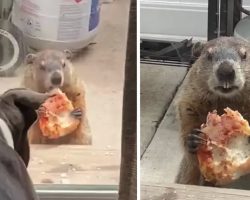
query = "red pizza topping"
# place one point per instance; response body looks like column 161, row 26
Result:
column 227, row 150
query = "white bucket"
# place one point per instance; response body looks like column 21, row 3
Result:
column 242, row 30
column 58, row 24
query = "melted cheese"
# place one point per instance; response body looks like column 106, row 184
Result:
column 228, row 150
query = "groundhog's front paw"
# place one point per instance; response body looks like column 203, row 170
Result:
column 77, row 113
column 194, row 140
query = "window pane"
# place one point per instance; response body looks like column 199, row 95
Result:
column 101, row 67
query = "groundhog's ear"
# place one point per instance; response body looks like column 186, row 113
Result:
column 197, row 49
column 68, row 54
column 30, row 58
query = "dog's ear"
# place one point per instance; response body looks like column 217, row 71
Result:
column 23, row 103
column 26, row 102
column 197, row 49
column 22, row 146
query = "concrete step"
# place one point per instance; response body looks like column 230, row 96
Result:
column 158, row 87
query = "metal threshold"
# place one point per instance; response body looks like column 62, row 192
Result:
column 76, row 192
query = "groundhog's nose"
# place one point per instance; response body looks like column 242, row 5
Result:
column 225, row 72
column 56, row 78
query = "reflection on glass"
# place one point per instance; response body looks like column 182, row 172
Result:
column 6, row 50
column 101, row 68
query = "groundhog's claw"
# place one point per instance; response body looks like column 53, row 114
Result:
column 194, row 140
column 77, row 113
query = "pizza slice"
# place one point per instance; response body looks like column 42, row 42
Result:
column 225, row 156
column 55, row 118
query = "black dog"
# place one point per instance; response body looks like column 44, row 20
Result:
column 17, row 114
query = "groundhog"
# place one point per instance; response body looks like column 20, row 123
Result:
column 219, row 78
column 51, row 69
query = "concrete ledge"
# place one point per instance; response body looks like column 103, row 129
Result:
column 158, row 87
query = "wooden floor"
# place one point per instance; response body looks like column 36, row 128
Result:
column 187, row 192
column 73, row 164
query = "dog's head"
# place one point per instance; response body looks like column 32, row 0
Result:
column 18, row 110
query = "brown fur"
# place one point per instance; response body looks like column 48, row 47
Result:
column 196, row 100
column 75, row 91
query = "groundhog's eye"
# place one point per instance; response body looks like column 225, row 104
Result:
column 243, row 54
column 210, row 54
column 42, row 66
column 63, row 64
